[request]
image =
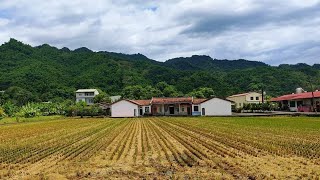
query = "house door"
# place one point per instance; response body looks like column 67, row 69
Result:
column 189, row 110
column 203, row 111
column 141, row 112
column 171, row 110
column 135, row 112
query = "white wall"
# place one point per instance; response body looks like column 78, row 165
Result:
column 124, row 108
column 216, row 107
column 254, row 95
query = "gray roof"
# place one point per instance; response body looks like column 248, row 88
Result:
column 86, row 90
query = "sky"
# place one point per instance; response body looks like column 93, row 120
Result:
column 272, row 31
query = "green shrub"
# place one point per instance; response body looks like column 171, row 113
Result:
column 10, row 109
column 2, row 114
column 29, row 110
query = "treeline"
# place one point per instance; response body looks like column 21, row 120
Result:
column 66, row 108
column 46, row 73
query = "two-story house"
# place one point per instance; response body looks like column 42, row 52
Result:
column 86, row 95
column 245, row 98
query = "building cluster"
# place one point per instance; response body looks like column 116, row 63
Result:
column 189, row 106
column 300, row 101
column 180, row 106
column 174, row 106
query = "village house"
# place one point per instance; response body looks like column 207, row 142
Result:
column 130, row 108
column 300, row 101
column 86, row 95
column 181, row 106
column 245, row 98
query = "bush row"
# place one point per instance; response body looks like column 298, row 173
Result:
column 68, row 108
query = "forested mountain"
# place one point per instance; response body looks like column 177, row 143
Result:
column 197, row 62
column 50, row 73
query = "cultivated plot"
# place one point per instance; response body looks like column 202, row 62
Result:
column 231, row 148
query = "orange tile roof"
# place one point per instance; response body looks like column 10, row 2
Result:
column 141, row 102
column 199, row 101
column 306, row 95
column 171, row 100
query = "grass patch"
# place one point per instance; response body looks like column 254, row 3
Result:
column 13, row 120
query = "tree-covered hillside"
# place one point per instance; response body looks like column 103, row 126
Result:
column 49, row 73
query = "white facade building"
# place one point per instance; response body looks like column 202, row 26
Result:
column 246, row 98
column 86, row 95
column 213, row 107
column 183, row 106
column 130, row 108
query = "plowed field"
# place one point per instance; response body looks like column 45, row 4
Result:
column 177, row 148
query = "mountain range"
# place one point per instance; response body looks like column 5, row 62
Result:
column 49, row 72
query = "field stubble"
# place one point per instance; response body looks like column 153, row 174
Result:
column 160, row 147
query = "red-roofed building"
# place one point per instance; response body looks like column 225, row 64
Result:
column 300, row 102
column 177, row 106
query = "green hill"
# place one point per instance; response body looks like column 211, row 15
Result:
column 48, row 72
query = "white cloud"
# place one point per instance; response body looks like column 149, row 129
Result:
column 259, row 30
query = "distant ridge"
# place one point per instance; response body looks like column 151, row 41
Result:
column 49, row 73
column 206, row 62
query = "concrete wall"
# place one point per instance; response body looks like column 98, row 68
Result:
column 216, row 107
column 196, row 113
column 246, row 99
column 239, row 100
column 144, row 110
column 124, row 108
column 254, row 95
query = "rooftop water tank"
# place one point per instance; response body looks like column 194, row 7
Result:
column 299, row 90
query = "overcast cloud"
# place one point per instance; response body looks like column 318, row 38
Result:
column 272, row 31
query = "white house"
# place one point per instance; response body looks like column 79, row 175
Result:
column 299, row 101
column 86, row 95
column 245, row 98
column 212, row 107
column 181, row 106
column 130, row 108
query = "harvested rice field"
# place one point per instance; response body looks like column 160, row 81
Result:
column 162, row 148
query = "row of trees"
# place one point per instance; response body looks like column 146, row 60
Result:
column 19, row 96
column 66, row 108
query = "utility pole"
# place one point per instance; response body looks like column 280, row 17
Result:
column 262, row 92
column 312, row 100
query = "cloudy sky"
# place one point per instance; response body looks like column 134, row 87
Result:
column 272, row 31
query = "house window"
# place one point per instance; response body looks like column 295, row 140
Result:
column 89, row 94
column 146, row 109
column 177, row 109
column 182, row 109
column 195, row 108
column 251, row 98
column 257, row 98
column 90, row 101
column 292, row 104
